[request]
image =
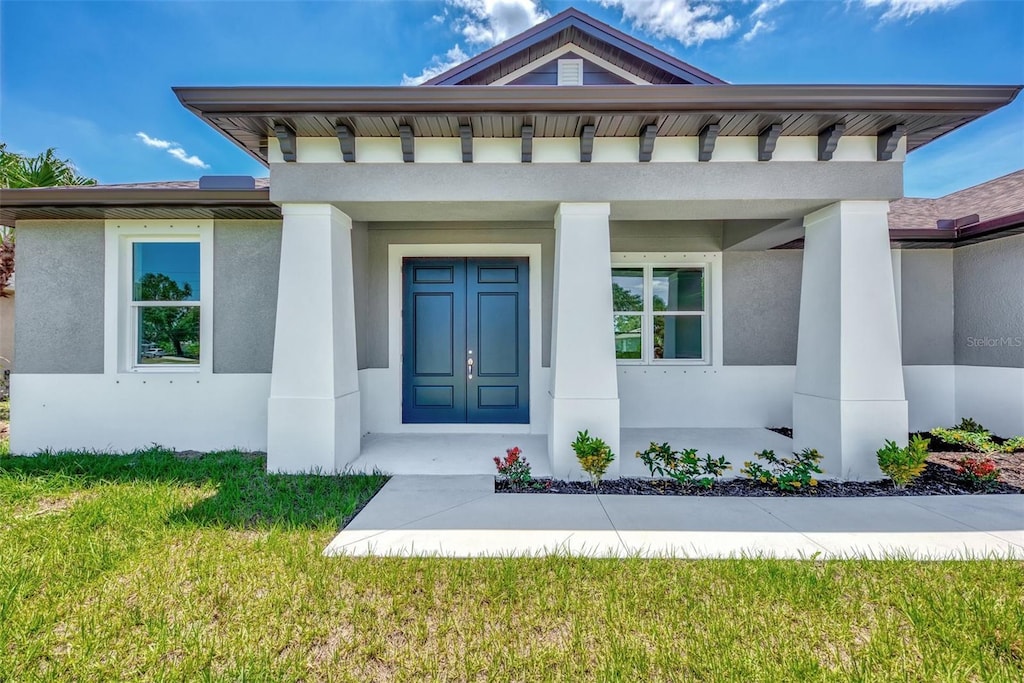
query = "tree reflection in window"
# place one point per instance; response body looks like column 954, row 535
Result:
column 167, row 334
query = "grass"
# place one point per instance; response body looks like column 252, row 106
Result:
column 156, row 568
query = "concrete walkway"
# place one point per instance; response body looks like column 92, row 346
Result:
column 461, row 516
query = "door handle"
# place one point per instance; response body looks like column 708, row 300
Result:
column 469, row 365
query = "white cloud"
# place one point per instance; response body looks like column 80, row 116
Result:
column 689, row 22
column 192, row 160
column 908, row 9
column 488, row 22
column 438, row 65
column 481, row 22
column 764, row 7
column 173, row 148
column 153, row 142
column 759, row 27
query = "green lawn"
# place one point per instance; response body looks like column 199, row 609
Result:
column 153, row 567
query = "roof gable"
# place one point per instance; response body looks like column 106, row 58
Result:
column 586, row 34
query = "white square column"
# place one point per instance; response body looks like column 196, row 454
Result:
column 584, row 381
column 849, row 395
column 313, row 421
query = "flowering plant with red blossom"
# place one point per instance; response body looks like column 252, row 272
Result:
column 514, row 467
column 979, row 472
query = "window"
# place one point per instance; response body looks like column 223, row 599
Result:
column 164, row 310
column 660, row 313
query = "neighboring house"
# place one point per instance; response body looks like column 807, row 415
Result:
column 7, row 326
column 572, row 230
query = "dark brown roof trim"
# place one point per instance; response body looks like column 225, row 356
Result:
column 95, row 200
column 126, row 196
column 394, row 100
column 587, row 24
column 969, row 233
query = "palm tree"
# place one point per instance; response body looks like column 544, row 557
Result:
column 20, row 171
column 44, row 170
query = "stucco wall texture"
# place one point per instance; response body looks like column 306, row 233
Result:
column 247, row 260
column 761, row 306
column 58, row 326
column 927, row 300
column 988, row 303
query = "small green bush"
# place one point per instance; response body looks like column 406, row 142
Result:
column 594, row 455
column 903, row 465
column 967, row 424
column 683, row 466
column 788, row 474
column 970, row 434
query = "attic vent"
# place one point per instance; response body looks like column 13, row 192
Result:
column 227, row 182
column 570, row 72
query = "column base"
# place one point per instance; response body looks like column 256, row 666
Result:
column 313, row 434
column 600, row 416
column 848, row 433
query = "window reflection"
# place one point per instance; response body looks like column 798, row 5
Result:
column 165, row 271
column 165, row 298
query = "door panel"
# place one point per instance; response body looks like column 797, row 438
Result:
column 454, row 311
column 434, row 341
column 497, row 293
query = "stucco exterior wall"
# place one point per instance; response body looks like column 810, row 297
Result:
column 662, row 236
column 927, row 306
column 663, row 191
column 59, row 306
column 988, row 295
column 761, row 307
column 247, row 258
column 374, row 343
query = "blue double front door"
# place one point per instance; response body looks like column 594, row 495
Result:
column 465, row 340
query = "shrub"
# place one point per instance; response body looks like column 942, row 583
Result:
column 788, row 474
column 974, row 440
column 978, row 472
column 594, row 455
column 514, row 467
column 903, row 465
column 967, row 424
column 683, row 466
column 969, row 434
column 1013, row 445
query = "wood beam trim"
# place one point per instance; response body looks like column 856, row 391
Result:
column 828, row 139
column 648, row 134
column 408, row 144
column 347, row 142
column 466, row 133
column 286, row 136
column 766, row 141
column 527, row 135
column 587, row 143
column 888, row 140
column 706, row 141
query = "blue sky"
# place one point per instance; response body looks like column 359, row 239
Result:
column 88, row 77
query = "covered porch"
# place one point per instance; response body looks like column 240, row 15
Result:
column 455, row 454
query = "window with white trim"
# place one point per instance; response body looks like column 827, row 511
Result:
column 661, row 313
column 158, row 293
column 164, row 309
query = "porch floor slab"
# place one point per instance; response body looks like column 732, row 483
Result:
column 448, row 454
column 453, row 454
column 462, row 516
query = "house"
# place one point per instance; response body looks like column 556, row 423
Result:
column 572, row 230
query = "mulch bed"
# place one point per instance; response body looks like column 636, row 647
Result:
column 936, row 480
